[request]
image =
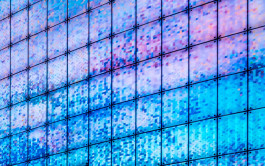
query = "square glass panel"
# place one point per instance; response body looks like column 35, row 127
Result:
column 37, row 143
column 57, row 11
column 76, row 7
column 233, row 159
column 19, row 87
column 256, row 157
column 4, row 122
column 17, row 5
column 38, row 80
column 19, row 56
column 100, row 154
column 5, row 151
column 19, row 148
column 148, row 10
column 256, row 13
column 4, row 9
column 4, row 63
column 19, row 117
column 38, row 162
column 96, row 3
column 59, row 159
column 20, row 20
column 4, row 92
column 4, row 32
column 38, row 17
column 172, row 7
column 78, row 157
column 37, row 111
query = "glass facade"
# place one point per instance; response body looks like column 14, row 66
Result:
column 132, row 82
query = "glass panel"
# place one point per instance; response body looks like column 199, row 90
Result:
column 256, row 158
column 5, row 151
column 37, row 143
column 4, row 63
column 100, row 154
column 20, row 20
column 171, row 6
column 78, row 157
column 96, row 3
column 19, row 148
column 76, row 7
column 37, row 111
column 204, row 162
column 17, row 5
column 57, row 11
column 38, row 80
column 238, row 159
column 19, row 117
column 198, row 2
column 39, row 162
column 256, row 13
column 4, row 92
column 19, row 87
column 4, row 9
column 148, row 10
column 19, row 56
column 4, row 122
column 38, row 17
column 59, row 159
column 4, row 32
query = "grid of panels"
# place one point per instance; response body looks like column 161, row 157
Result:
column 137, row 82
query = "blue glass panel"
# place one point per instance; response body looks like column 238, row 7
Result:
column 123, row 46
column 5, row 151
column 256, row 13
column 149, row 113
column 57, row 42
column 123, row 119
column 256, row 85
column 148, row 10
column 33, row 1
column 78, row 65
column 78, row 157
column 37, row 111
column 19, row 148
column 59, row 159
column 57, row 105
column 238, row 159
column 149, row 41
column 203, row 23
column 148, row 148
column 19, row 56
column 57, row 137
column 4, row 62
column 17, row 5
column 22, row 164
column 78, row 131
column 175, row 144
column 4, row 9
column 232, row 133
column 57, row 11
column 204, row 162
column 76, row 7
column 19, row 87
column 203, row 139
column 123, row 151
column 100, row 23
column 99, row 125
column 4, row 92
column 123, row 15
column 175, row 107
column 4, row 32
column 100, row 57
column 78, row 98
column 37, row 80
column 198, row 2
column 203, row 62
column 19, row 117
column 20, row 20
column 171, row 6
column 78, row 31
column 232, row 94
column 37, row 48
column 57, row 72
column 39, row 162
column 256, row 157
column 149, row 77
column 37, row 143
column 123, row 84
column 175, row 70
column 100, row 91
column 201, row 105
column 38, row 17
column 96, row 3
column 256, row 126
column 100, row 154
column 175, row 32
column 4, row 122
column 179, row 164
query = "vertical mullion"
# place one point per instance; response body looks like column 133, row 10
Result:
column 111, row 74
column 10, row 79
column 217, row 68
column 67, row 83
column 248, row 31
column 47, row 67
column 188, row 85
column 161, row 85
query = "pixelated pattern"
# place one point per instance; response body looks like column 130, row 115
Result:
column 198, row 2
column 123, row 84
column 17, row 5
column 149, row 113
column 99, row 125
column 149, row 41
column 57, row 105
column 204, row 162
column 4, row 32
column 203, row 139
column 100, row 154
column 4, row 151
column 100, row 91
column 57, row 42
column 203, row 62
column 57, row 11
column 149, row 77
column 175, row 144
column 123, row 119
column 19, row 88
column 148, row 147
column 175, row 107
column 123, row 15
column 233, row 159
column 232, row 133
column 76, row 7
column 175, row 70
column 4, row 8
column 203, row 23
column 57, row 137
column 175, row 32
column 203, row 100
column 20, row 20
column 96, row 3
column 256, row 13
column 38, row 48
column 4, row 63
column 78, row 65
column 4, row 122
column 78, row 157
column 256, row 157
column 59, row 159
column 37, row 80
column 19, row 56
column 123, row 151
column 37, row 143
column 257, row 48
column 123, row 49
column 4, row 92
column 100, row 23
column 78, row 98
column 232, row 54
column 78, row 31
column 172, row 7
column 148, row 10
column 100, row 57
column 37, row 111
column 256, row 127
column 38, row 17
column 232, row 94
column 78, row 131
column 19, row 117
column 38, row 162
column 57, row 72
column 19, row 148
